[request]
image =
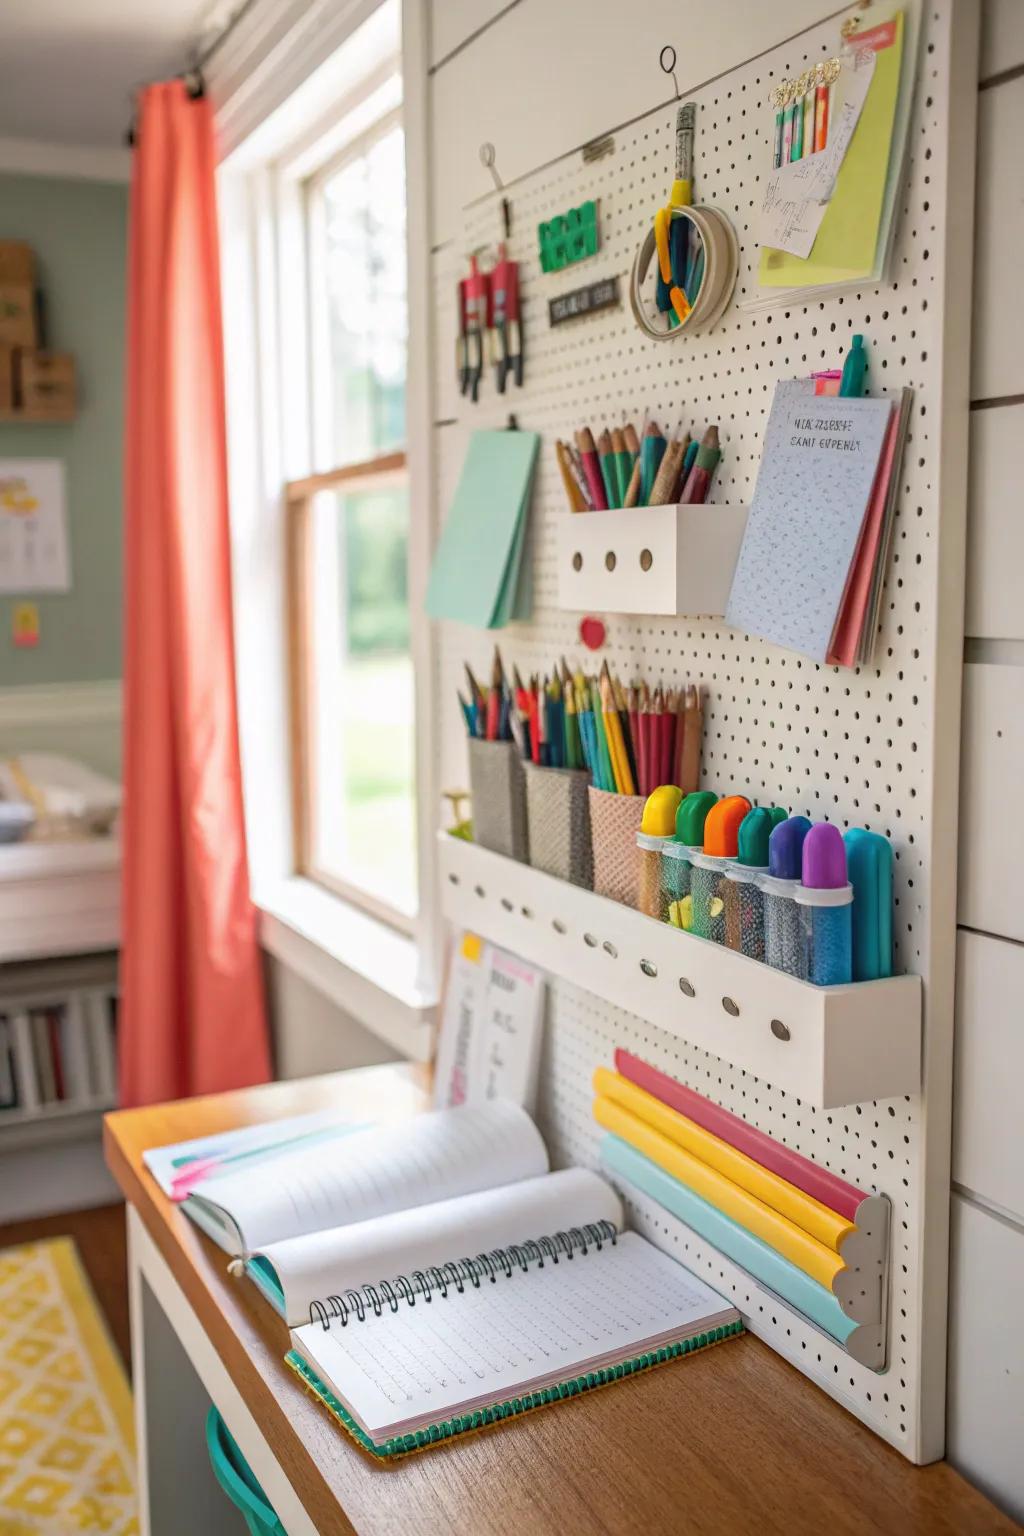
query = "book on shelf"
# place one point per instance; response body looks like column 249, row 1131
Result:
column 8, row 1080
column 26, row 1075
column 102, row 1047
column 437, row 1276
column 75, row 1052
column 43, row 1052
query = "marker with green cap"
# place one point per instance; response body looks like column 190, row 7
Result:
column 741, row 889
column 676, row 863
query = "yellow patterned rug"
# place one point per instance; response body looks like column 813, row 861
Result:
column 67, row 1448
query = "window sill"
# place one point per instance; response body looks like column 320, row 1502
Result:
column 366, row 968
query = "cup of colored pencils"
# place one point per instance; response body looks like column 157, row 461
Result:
column 557, row 777
column 621, row 468
column 497, row 782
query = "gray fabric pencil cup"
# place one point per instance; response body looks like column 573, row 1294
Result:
column 498, row 789
column 558, row 813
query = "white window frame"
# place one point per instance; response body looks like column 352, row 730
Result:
column 387, row 979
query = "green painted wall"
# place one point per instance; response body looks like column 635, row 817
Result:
column 79, row 232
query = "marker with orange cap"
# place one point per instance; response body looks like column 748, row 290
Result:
column 721, row 841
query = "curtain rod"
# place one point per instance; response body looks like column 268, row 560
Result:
column 192, row 74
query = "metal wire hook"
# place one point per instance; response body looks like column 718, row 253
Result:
column 487, row 160
column 668, row 65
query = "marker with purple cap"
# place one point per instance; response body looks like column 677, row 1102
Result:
column 825, row 898
column 783, row 924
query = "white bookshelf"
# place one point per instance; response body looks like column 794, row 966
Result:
column 59, row 933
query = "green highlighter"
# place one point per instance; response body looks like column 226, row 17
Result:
column 676, row 865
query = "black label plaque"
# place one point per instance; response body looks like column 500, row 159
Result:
column 584, row 301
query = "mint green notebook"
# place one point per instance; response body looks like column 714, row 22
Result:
column 479, row 575
column 467, row 1344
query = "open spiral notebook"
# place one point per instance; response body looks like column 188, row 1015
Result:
column 437, row 1277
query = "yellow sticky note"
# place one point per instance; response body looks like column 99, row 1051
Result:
column 25, row 625
column 472, row 947
column 848, row 237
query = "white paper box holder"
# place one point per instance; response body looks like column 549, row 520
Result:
column 828, row 1046
column 663, row 560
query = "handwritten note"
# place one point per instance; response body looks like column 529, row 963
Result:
column 796, row 196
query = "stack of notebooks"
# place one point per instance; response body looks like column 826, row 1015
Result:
column 437, row 1278
column 812, row 564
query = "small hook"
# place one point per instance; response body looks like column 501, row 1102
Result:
column 667, row 60
column 487, row 160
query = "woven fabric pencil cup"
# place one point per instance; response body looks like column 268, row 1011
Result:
column 614, row 824
column 498, row 789
column 558, row 815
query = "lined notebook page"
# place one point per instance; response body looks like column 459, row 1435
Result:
column 422, row 1364
column 367, row 1252
column 372, row 1173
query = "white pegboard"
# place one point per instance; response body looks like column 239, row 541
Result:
column 857, row 747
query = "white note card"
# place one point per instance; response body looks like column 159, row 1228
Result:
column 491, row 1027
column 33, row 527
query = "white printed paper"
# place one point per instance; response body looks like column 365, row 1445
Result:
column 33, row 527
column 489, row 1045
column 796, row 196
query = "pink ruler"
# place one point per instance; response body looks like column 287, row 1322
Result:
column 815, row 1181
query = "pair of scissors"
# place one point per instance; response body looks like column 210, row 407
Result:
column 671, row 234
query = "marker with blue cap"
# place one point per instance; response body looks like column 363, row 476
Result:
column 783, row 926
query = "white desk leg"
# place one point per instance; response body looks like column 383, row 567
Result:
column 178, row 1373
column 177, row 1489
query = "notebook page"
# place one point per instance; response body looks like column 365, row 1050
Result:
column 325, row 1263
column 435, row 1156
column 403, row 1370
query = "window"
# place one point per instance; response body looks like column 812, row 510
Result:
column 352, row 671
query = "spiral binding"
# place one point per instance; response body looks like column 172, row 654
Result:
column 456, row 1274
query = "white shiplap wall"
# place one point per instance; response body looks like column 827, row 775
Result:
column 985, row 1418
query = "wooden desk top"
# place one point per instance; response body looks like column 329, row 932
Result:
column 729, row 1442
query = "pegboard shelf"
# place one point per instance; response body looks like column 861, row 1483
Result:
column 828, row 1046
column 657, row 560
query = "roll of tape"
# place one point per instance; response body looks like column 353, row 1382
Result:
column 721, row 265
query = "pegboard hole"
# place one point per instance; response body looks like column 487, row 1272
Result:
column 648, row 967
column 577, row 561
column 609, row 560
column 686, row 987
column 609, row 949
column 479, row 890
column 590, row 939
column 780, row 1030
column 558, row 925
column 509, row 906
column 731, row 1007
column 646, row 559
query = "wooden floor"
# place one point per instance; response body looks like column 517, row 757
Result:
column 100, row 1238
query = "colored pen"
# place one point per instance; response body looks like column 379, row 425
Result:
column 698, row 480
column 652, row 448
column 623, row 465
column 592, row 469
column 608, row 468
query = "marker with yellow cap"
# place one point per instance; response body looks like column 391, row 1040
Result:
column 657, row 827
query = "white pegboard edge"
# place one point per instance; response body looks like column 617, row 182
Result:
column 828, row 1046
column 671, row 560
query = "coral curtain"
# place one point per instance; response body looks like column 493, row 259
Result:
column 192, row 1011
